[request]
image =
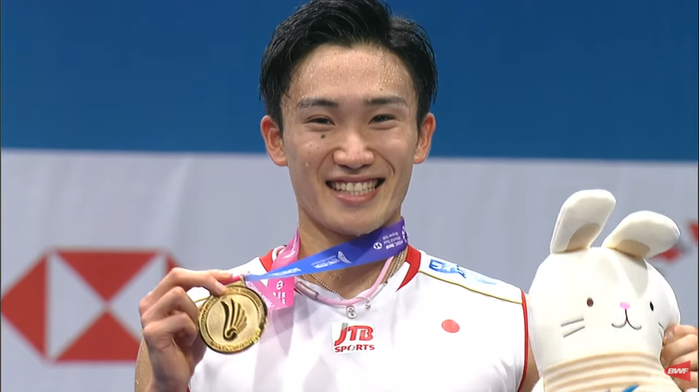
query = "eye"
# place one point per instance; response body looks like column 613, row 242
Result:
column 589, row 302
column 382, row 118
column 321, row 120
column 651, row 306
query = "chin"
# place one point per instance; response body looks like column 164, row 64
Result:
column 355, row 223
column 357, row 227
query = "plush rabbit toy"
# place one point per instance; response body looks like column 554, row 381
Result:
column 598, row 314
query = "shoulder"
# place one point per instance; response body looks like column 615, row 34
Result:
column 455, row 274
column 258, row 265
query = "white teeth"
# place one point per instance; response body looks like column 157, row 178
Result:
column 355, row 188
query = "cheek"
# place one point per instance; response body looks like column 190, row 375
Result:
column 305, row 162
column 304, row 153
column 398, row 151
column 663, row 314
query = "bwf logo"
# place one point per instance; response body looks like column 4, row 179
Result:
column 349, row 338
column 680, row 371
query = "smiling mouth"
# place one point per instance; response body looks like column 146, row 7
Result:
column 627, row 322
column 355, row 188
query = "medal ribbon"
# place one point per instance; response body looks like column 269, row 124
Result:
column 278, row 293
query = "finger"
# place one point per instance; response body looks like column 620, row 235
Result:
column 675, row 332
column 188, row 336
column 233, row 279
column 197, row 347
column 174, row 300
column 680, row 347
column 692, row 358
column 187, row 279
column 160, row 334
column 685, row 385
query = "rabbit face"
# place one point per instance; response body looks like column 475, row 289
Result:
column 598, row 301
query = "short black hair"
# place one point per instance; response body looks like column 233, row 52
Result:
column 346, row 23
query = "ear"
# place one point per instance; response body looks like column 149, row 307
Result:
column 425, row 139
column 643, row 234
column 274, row 143
column 581, row 219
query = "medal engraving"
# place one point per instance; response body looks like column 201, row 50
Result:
column 233, row 322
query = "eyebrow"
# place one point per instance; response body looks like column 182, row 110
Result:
column 374, row 101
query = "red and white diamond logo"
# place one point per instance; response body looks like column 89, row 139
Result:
column 82, row 305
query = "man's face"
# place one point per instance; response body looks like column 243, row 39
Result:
column 350, row 138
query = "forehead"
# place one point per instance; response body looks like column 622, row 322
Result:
column 359, row 72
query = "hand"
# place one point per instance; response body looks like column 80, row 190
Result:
column 681, row 345
column 169, row 322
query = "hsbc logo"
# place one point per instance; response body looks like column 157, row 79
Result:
column 81, row 305
column 349, row 338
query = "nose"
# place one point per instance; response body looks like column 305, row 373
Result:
column 624, row 305
column 353, row 152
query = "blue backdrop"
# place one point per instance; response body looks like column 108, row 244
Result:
column 519, row 78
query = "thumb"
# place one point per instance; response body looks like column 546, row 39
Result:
column 198, row 348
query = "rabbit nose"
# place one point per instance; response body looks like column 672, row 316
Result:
column 624, row 305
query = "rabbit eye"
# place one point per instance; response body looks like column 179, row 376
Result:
column 651, row 306
column 589, row 302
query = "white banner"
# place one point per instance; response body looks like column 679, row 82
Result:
column 85, row 236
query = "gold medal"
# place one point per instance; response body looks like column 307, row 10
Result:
column 233, row 322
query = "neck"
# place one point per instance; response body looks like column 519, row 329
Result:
column 608, row 372
column 347, row 282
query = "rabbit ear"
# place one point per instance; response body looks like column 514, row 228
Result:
column 643, row 234
column 581, row 219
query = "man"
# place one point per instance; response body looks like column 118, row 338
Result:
column 348, row 89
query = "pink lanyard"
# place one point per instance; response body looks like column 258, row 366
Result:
column 290, row 254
